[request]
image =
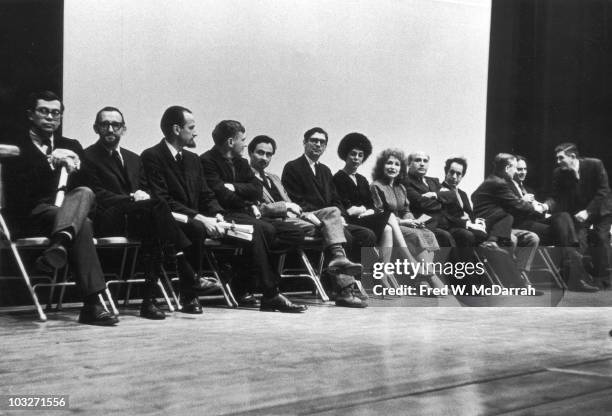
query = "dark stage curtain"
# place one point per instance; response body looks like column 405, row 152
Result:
column 31, row 55
column 550, row 81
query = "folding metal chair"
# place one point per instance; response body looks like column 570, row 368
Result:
column 37, row 243
column 548, row 266
column 210, row 246
column 314, row 244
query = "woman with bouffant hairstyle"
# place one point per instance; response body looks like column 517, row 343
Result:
column 389, row 195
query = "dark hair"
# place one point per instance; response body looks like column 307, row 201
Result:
column 261, row 139
column 519, row 158
column 567, row 148
column 226, row 129
column 459, row 160
column 106, row 109
column 500, row 162
column 378, row 174
column 354, row 141
column 314, row 130
column 173, row 115
column 42, row 95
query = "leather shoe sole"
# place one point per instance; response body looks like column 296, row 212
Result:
column 52, row 258
column 355, row 302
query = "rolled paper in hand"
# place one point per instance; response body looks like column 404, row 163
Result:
column 61, row 187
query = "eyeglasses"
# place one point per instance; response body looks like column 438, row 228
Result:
column 321, row 142
column 44, row 112
column 115, row 125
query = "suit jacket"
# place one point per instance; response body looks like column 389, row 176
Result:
column 106, row 179
column 185, row 192
column 29, row 180
column 218, row 172
column 306, row 190
column 267, row 205
column 590, row 192
column 419, row 204
column 496, row 197
column 454, row 212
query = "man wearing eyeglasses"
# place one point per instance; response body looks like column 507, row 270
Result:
column 309, row 183
column 116, row 176
column 33, row 207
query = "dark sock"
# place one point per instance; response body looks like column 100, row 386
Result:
column 62, row 238
column 337, row 250
column 91, row 300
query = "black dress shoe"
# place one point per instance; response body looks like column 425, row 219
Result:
column 347, row 299
column 582, row 286
column 149, row 310
column 96, row 315
column 280, row 303
column 52, row 258
column 357, row 293
column 192, row 306
column 248, row 300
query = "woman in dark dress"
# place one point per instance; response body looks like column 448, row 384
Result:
column 354, row 191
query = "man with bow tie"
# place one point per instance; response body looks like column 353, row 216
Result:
column 33, row 208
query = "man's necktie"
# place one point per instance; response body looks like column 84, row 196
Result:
column 46, row 141
column 179, row 162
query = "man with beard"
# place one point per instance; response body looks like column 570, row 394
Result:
column 176, row 176
column 580, row 187
column 116, row 176
column 276, row 206
column 31, row 186
column 231, row 179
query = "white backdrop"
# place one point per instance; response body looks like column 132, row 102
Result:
column 407, row 73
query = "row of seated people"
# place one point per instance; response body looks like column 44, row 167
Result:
column 113, row 184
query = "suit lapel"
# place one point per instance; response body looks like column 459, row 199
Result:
column 310, row 174
column 275, row 180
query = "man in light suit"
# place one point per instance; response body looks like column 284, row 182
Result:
column 116, row 176
column 278, row 208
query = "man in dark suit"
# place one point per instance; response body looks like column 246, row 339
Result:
column 556, row 229
column 229, row 176
column 580, row 187
column 494, row 199
column 426, row 197
column 177, row 176
column 309, row 183
column 116, row 176
column 31, row 188
column 458, row 213
column 276, row 206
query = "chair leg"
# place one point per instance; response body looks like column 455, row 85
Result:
column 165, row 295
column 225, row 287
column 110, row 300
column 171, row 289
column 312, row 274
column 51, row 291
column 102, row 302
column 63, row 289
column 489, row 271
column 360, row 287
column 28, row 283
column 552, row 269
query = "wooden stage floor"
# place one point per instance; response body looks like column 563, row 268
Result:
column 388, row 359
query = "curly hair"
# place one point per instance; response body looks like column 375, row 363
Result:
column 354, row 141
column 378, row 174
